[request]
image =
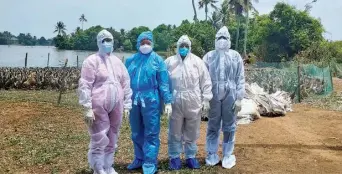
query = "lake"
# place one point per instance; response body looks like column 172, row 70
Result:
column 14, row 56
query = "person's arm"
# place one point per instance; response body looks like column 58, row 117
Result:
column 240, row 79
column 163, row 82
column 205, row 82
column 126, row 86
column 86, row 82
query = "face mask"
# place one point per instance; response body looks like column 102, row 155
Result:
column 107, row 47
column 183, row 51
column 145, row 49
column 223, row 44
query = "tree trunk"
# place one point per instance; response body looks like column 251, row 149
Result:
column 195, row 12
column 246, row 34
column 206, row 12
column 82, row 25
column 237, row 32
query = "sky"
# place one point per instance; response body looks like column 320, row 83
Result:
column 39, row 17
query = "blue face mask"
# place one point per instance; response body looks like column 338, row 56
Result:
column 107, row 47
column 183, row 51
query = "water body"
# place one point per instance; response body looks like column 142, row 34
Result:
column 14, row 56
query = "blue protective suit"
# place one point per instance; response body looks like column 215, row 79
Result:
column 228, row 85
column 150, row 83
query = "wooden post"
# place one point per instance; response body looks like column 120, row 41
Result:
column 77, row 61
column 298, row 73
column 48, row 62
column 62, row 85
column 26, row 61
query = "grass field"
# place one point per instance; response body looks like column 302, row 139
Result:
column 37, row 136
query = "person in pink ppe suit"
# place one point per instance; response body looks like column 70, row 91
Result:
column 105, row 94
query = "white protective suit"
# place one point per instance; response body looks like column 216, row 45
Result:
column 191, row 87
column 227, row 74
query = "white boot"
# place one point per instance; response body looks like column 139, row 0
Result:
column 229, row 162
column 111, row 170
column 100, row 172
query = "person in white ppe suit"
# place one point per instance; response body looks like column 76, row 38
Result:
column 104, row 93
column 191, row 88
column 227, row 75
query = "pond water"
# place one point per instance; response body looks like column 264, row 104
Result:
column 37, row 56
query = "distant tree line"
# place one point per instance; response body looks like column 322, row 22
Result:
column 7, row 38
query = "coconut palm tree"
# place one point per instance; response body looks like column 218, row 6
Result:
column 247, row 5
column 83, row 19
column 60, row 28
column 205, row 3
column 195, row 12
column 216, row 19
column 237, row 7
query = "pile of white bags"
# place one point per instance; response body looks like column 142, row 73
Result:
column 257, row 102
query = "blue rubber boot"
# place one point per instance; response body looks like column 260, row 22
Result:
column 149, row 168
column 175, row 164
column 192, row 163
column 136, row 164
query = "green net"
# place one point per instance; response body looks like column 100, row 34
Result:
column 285, row 76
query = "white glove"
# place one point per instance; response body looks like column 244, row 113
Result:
column 89, row 117
column 237, row 106
column 126, row 114
column 205, row 109
column 168, row 110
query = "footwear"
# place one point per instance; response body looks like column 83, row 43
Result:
column 111, row 171
column 136, row 164
column 212, row 159
column 175, row 164
column 229, row 162
column 149, row 168
column 192, row 163
column 100, row 172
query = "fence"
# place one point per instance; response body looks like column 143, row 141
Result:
column 287, row 76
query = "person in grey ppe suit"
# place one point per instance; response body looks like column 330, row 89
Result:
column 191, row 88
column 227, row 75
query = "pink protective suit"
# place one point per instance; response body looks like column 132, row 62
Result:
column 105, row 87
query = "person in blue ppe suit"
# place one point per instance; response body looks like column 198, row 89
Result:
column 150, row 85
column 191, row 88
column 227, row 74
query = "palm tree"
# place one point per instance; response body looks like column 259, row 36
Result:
column 60, row 28
column 205, row 3
column 216, row 20
column 225, row 12
column 195, row 12
column 248, row 5
column 237, row 7
column 308, row 6
column 83, row 19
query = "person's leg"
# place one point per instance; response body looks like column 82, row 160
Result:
column 175, row 136
column 98, row 141
column 137, row 128
column 191, row 131
column 151, row 120
column 115, row 118
column 213, row 133
column 228, row 128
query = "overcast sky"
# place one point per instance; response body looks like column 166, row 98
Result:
column 39, row 17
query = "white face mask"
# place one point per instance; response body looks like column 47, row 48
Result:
column 145, row 49
column 223, row 44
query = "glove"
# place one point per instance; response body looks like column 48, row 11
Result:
column 205, row 109
column 168, row 110
column 126, row 114
column 89, row 117
column 237, row 106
